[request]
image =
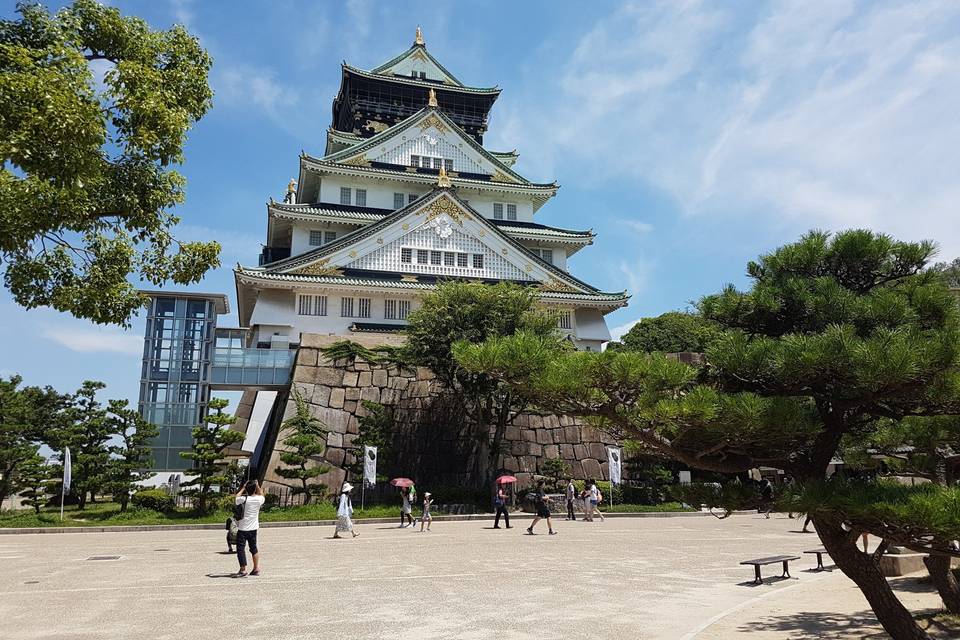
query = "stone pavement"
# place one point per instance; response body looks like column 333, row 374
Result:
column 656, row 578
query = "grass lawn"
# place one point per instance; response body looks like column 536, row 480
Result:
column 108, row 513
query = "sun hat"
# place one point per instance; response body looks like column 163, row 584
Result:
column 346, row 487
column 427, row 494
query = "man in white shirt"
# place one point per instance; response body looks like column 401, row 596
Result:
column 251, row 498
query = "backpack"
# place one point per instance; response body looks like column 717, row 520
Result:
column 238, row 509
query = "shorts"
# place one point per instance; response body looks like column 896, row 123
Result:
column 426, row 516
column 543, row 511
column 593, row 502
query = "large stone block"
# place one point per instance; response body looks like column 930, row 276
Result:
column 335, row 457
column 566, row 451
column 380, row 377
column 362, row 366
column 419, row 389
column 528, row 464
column 528, row 435
column 353, row 425
column 371, row 394
column 399, row 383
column 350, row 378
column 591, row 468
column 330, row 376
column 571, row 435
column 348, row 440
column 334, row 439
column 598, row 451
column 321, row 395
column 306, row 357
column 580, row 451
column 544, row 436
column 337, row 398
column 551, row 451
column 304, row 389
column 510, row 463
column 365, row 378
column 334, row 419
column 304, row 374
column 350, row 406
column 352, row 393
column 534, row 449
column 512, row 434
column 518, row 448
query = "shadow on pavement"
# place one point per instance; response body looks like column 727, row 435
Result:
column 863, row 625
column 221, row 575
column 767, row 582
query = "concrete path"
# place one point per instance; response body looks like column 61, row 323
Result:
column 658, row 578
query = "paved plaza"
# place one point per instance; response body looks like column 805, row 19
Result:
column 669, row 578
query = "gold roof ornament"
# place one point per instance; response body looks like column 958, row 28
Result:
column 432, row 99
column 419, row 39
column 443, row 180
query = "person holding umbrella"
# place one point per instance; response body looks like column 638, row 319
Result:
column 502, row 500
column 408, row 492
column 345, row 512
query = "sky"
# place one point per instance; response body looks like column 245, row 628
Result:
column 691, row 136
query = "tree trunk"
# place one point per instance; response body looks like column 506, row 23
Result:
column 864, row 570
column 944, row 580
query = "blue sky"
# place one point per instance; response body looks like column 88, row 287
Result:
column 692, row 136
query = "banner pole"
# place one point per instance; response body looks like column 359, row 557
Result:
column 363, row 492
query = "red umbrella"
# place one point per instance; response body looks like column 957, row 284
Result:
column 402, row 482
column 506, row 479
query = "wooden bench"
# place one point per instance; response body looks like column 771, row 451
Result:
column 819, row 552
column 759, row 562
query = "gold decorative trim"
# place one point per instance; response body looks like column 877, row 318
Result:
column 432, row 99
column 503, row 251
column 419, row 55
column 353, row 254
column 443, row 180
column 405, row 226
column 418, row 39
column 500, row 176
column 408, row 278
column 483, row 232
column 433, row 121
column 358, row 161
column 379, row 240
column 555, row 284
column 319, row 268
column 444, row 206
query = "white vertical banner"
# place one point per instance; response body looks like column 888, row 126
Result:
column 614, row 463
column 67, row 470
column 370, row 465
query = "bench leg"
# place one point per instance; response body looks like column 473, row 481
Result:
column 786, row 569
column 756, row 571
column 820, row 566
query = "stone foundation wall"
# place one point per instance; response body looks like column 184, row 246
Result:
column 430, row 440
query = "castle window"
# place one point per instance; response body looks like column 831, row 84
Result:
column 363, row 310
column 398, row 201
column 478, row 261
column 316, row 238
column 344, row 195
column 411, row 197
column 389, row 309
column 423, row 256
column 547, row 255
column 498, row 210
column 414, row 161
column 346, row 307
column 565, row 321
column 448, row 258
column 403, row 309
column 448, row 164
column 461, row 260
column 329, row 236
column 309, row 305
column 362, row 199
column 511, row 211
column 435, row 257
column 406, row 255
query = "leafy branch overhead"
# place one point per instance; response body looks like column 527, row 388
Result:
column 94, row 112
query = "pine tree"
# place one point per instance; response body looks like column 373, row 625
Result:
column 86, row 431
column 306, row 441
column 209, row 442
column 34, row 481
column 131, row 457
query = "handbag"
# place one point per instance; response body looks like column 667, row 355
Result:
column 238, row 509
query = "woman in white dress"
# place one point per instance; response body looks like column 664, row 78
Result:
column 345, row 512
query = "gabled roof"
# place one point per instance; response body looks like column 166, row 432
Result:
column 418, row 50
column 356, row 154
column 429, row 84
column 560, row 280
column 508, row 158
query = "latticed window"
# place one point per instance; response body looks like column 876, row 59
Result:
column 344, row 195
column 361, row 199
column 547, row 255
column 406, row 255
column 363, row 310
column 498, row 210
column 511, row 211
column 448, row 258
column 435, row 257
column 398, row 201
column 329, row 236
column 461, row 260
column 423, row 256
column 346, row 307
column 403, row 309
column 478, row 261
column 414, row 161
column 316, row 238
column 309, row 305
column 411, row 197
column 565, row 321
column 390, row 309
column 448, row 164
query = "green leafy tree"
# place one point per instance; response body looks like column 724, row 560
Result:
column 34, row 481
column 556, row 469
column 86, row 431
column 94, row 111
column 670, row 333
column 375, row 428
column 24, row 414
column 131, row 460
column 306, row 440
column 471, row 313
column 210, row 440
column 834, row 334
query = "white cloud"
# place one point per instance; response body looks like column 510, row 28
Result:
column 619, row 331
column 793, row 115
column 235, row 246
column 246, row 86
column 640, row 228
column 636, row 274
column 95, row 339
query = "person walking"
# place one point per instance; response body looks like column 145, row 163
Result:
column 596, row 505
column 502, row 503
column 426, row 518
column 766, row 498
column 406, row 508
column 249, row 500
column 571, row 496
column 345, row 512
column 543, row 511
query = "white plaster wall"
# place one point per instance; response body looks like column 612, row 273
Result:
column 589, row 324
column 379, row 193
column 559, row 253
column 404, row 67
column 301, row 234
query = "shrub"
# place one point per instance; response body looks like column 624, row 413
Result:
column 153, row 499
